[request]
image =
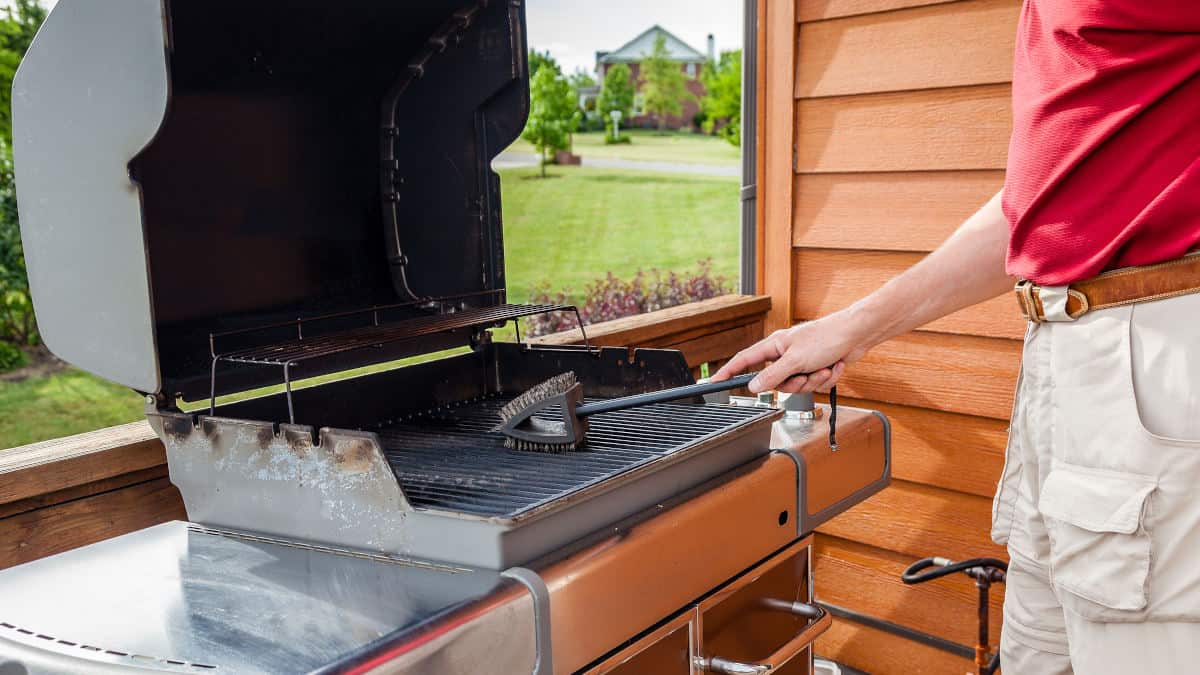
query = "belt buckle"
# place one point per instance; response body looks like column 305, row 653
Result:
column 1024, row 291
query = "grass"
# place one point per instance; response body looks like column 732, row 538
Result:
column 69, row 402
column 73, row 401
column 650, row 146
column 581, row 223
column 566, row 230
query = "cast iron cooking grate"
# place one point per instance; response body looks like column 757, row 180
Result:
column 450, row 459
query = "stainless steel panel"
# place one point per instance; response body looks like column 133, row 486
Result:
column 88, row 97
column 666, row 651
column 243, row 475
column 831, row 481
column 179, row 598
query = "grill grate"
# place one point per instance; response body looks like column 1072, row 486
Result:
column 450, row 459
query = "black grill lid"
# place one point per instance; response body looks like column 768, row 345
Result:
column 200, row 166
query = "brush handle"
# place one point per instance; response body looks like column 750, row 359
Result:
column 689, row 391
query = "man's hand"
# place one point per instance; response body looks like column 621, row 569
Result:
column 808, row 357
column 967, row 268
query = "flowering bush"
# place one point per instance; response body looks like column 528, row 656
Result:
column 612, row 298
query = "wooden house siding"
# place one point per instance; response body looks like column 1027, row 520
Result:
column 885, row 123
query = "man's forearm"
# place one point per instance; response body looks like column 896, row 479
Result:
column 966, row 269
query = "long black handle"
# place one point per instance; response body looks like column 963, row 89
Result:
column 625, row 402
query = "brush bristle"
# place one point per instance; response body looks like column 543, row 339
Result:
column 547, row 448
column 554, row 386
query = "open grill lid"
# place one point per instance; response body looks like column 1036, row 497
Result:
column 194, row 167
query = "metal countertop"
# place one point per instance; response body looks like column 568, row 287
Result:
column 176, row 597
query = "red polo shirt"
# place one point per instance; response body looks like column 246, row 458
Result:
column 1104, row 165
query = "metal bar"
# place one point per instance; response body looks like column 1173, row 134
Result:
column 354, row 312
column 582, row 331
column 983, row 651
column 749, row 194
column 212, row 388
column 902, row 631
column 287, row 384
column 372, row 336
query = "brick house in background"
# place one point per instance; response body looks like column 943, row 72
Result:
column 690, row 61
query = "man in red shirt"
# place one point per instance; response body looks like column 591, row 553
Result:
column 1099, row 502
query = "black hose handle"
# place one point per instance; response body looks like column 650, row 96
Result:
column 915, row 575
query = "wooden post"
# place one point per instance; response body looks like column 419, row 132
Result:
column 776, row 152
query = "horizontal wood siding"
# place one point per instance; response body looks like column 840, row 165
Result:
column 815, row 10
column 849, row 573
column 916, row 48
column 902, row 123
column 936, row 130
column 958, row 452
column 912, row 211
column 874, row 651
column 833, row 279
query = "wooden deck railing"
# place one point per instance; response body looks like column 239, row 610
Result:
column 68, row 492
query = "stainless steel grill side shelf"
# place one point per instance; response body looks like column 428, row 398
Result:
column 289, row 353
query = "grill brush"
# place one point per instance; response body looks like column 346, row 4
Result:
column 568, row 430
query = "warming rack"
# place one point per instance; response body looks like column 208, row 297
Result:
column 289, row 353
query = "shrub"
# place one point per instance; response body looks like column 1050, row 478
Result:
column 621, row 139
column 17, row 325
column 592, row 121
column 613, row 298
column 11, row 357
column 722, row 106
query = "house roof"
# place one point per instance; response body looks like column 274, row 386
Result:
column 641, row 46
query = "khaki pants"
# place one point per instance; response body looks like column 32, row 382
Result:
column 1099, row 502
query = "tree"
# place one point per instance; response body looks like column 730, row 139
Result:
column 17, row 29
column 553, row 113
column 617, row 93
column 722, row 105
column 581, row 78
column 538, row 59
column 664, row 86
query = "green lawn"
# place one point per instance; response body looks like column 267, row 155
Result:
column 567, row 230
column 650, row 146
column 581, row 223
column 69, row 402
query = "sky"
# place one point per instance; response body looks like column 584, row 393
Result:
column 574, row 30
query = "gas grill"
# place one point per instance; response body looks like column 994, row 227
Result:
column 256, row 193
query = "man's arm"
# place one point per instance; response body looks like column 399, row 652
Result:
column 966, row 269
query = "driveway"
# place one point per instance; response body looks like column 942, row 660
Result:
column 512, row 160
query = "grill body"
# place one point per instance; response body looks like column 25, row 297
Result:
column 427, row 476
column 251, row 193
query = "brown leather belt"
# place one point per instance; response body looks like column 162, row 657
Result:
column 1119, row 287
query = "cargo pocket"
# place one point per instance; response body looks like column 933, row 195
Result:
column 1099, row 546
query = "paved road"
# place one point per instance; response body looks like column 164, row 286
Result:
column 512, row 160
